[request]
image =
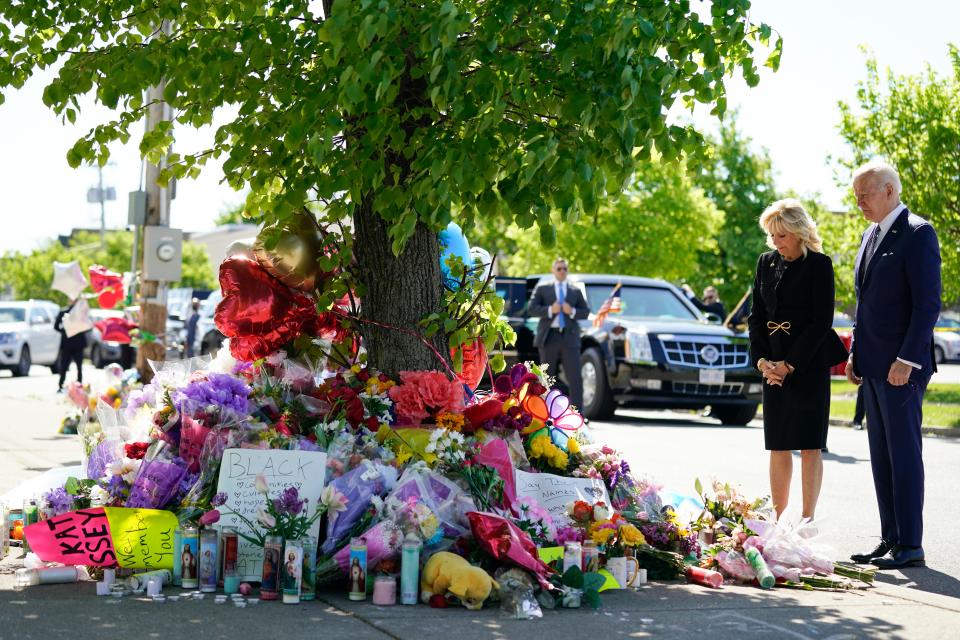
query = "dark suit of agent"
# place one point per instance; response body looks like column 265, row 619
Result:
column 897, row 281
column 559, row 306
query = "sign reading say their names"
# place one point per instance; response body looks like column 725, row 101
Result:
column 555, row 493
column 304, row 470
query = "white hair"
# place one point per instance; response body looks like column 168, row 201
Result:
column 882, row 173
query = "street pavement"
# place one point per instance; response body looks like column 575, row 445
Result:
column 671, row 448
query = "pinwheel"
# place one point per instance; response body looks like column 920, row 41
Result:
column 553, row 413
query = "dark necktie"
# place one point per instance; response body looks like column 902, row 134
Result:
column 871, row 246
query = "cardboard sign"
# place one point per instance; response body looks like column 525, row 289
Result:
column 555, row 493
column 304, row 470
column 106, row 537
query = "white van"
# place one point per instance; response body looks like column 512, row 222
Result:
column 27, row 335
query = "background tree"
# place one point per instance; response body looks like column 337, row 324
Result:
column 655, row 229
column 29, row 275
column 911, row 121
column 739, row 181
column 397, row 115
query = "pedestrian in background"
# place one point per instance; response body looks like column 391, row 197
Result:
column 897, row 282
column 192, row 326
column 793, row 345
column 710, row 303
column 71, row 348
column 559, row 306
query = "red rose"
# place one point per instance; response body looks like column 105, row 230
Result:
column 582, row 511
column 136, row 450
column 372, row 423
column 363, row 376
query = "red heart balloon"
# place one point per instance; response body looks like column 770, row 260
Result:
column 474, row 363
column 108, row 298
column 258, row 312
column 115, row 330
column 109, row 284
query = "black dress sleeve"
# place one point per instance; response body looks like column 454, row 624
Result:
column 807, row 343
column 757, row 321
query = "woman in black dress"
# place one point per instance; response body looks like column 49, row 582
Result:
column 793, row 345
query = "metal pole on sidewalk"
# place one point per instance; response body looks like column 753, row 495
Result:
column 153, row 294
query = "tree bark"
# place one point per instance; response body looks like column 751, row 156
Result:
column 400, row 291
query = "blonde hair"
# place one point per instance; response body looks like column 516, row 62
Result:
column 789, row 216
column 881, row 174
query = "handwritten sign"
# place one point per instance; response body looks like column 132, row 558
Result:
column 142, row 538
column 106, row 537
column 304, row 470
column 555, row 493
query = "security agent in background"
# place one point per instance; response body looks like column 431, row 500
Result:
column 559, row 305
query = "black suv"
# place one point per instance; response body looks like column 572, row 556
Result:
column 658, row 351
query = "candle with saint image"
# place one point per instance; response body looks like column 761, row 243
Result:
column 706, row 577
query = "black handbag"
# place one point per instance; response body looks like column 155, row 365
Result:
column 832, row 350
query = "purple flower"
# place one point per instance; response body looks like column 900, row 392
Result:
column 59, row 501
column 289, row 502
column 219, row 499
column 568, row 534
column 116, row 487
column 219, row 389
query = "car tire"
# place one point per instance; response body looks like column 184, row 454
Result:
column 938, row 355
column 22, row 367
column 96, row 358
column 598, row 401
column 735, row 415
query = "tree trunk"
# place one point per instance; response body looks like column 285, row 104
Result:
column 400, row 291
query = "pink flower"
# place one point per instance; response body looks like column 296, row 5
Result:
column 261, row 484
column 424, row 394
column 210, row 517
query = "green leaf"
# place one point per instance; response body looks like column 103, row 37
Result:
column 573, row 577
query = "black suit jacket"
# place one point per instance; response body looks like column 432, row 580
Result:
column 539, row 307
column 804, row 298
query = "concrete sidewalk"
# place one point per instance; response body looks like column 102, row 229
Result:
column 659, row 610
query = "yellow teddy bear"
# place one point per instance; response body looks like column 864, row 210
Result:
column 449, row 573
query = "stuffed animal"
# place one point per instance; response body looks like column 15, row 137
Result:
column 449, row 573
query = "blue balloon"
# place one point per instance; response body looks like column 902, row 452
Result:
column 453, row 243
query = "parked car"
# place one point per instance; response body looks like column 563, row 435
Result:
column 843, row 325
column 946, row 340
column 208, row 338
column 659, row 351
column 27, row 335
column 103, row 352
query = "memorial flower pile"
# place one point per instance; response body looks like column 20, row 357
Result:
column 502, row 475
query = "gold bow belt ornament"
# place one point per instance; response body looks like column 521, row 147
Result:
column 778, row 326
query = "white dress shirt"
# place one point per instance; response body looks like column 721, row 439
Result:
column 885, row 225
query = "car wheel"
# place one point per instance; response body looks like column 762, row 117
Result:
column 598, row 402
column 938, row 354
column 735, row 415
column 23, row 365
column 96, row 358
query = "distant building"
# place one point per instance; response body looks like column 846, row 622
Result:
column 217, row 241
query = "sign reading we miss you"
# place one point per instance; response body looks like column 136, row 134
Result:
column 555, row 493
column 239, row 468
column 106, row 537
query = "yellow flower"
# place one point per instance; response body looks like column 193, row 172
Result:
column 602, row 536
column 573, row 446
column 451, row 421
column 631, row 536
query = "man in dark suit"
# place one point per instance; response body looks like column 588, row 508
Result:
column 559, row 306
column 897, row 280
column 710, row 303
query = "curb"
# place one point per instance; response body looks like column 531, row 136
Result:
column 917, row 596
column 936, row 432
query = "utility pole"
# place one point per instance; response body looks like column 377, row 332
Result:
column 101, row 194
column 153, row 293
